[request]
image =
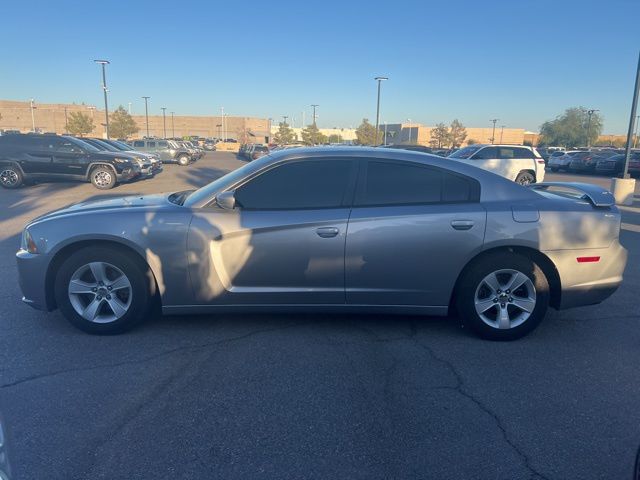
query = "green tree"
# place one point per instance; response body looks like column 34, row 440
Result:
column 366, row 134
column 457, row 134
column 79, row 124
column 472, row 141
column 284, row 135
column 570, row 129
column 440, row 136
column 335, row 138
column 121, row 125
column 312, row 136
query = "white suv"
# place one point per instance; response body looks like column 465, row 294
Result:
column 523, row 165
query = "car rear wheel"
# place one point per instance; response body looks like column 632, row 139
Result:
column 525, row 178
column 503, row 296
column 102, row 291
column 103, row 178
column 183, row 160
column 11, row 176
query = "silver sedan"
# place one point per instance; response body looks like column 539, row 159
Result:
column 331, row 229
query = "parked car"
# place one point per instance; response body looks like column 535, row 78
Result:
column 521, row 164
column 168, row 150
column 561, row 160
column 146, row 167
column 583, row 162
column 280, row 233
column 32, row 157
column 612, row 165
column 196, row 151
column 154, row 158
column 209, row 145
column 634, row 164
column 256, row 151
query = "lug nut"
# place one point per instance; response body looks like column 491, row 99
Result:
column 508, row 292
column 108, row 297
column 510, row 299
column 499, row 291
column 94, row 289
column 109, row 287
column 99, row 297
column 495, row 300
column 502, row 305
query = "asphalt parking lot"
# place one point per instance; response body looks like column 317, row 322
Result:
column 313, row 396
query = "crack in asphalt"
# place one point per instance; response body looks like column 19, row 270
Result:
column 39, row 376
column 459, row 388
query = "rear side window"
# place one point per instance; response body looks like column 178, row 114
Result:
column 162, row 144
column 400, row 183
column 151, row 144
column 138, row 144
column 506, row 153
column 522, row 153
column 486, row 154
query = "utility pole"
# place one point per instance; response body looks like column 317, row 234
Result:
column 384, row 140
column 129, row 108
column 314, row 113
column 164, row 122
column 410, row 130
column 104, row 89
column 146, row 113
column 285, row 118
column 493, row 135
column 224, row 132
column 635, row 140
column 173, row 129
column 634, row 106
column 66, row 122
column 590, row 112
column 33, row 118
column 379, row 80
column 501, row 132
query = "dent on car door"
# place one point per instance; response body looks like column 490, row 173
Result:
column 283, row 243
column 411, row 231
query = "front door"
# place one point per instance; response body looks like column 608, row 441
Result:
column 68, row 158
column 284, row 241
column 411, row 231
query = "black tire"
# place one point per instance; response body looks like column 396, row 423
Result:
column 141, row 290
column 11, row 176
column 554, row 169
column 525, row 178
column 103, row 177
column 183, row 160
column 472, row 283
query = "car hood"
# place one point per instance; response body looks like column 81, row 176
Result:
column 112, row 155
column 110, row 204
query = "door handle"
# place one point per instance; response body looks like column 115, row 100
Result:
column 462, row 224
column 327, row 232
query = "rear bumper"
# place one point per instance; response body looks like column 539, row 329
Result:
column 32, row 272
column 591, row 282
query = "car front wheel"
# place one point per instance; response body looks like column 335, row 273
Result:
column 102, row 290
column 183, row 160
column 103, row 178
column 503, row 296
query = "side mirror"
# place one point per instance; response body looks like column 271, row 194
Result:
column 226, row 200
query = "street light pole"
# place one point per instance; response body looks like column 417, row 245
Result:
column 385, row 134
column 314, row 113
column 285, row 118
column 635, row 140
column 379, row 80
column 129, row 108
column 66, row 122
column 590, row 112
column 164, row 122
column 173, row 129
column 33, row 117
column 104, row 89
column 634, row 106
column 501, row 132
column 224, row 132
column 493, row 135
column 146, row 113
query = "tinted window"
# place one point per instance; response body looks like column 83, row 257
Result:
column 486, row 154
column 466, row 152
column 506, row 153
column 138, row 144
column 307, row 184
column 394, row 183
column 151, row 144
column 162, row 144
column 67, row 146
column 522, row 153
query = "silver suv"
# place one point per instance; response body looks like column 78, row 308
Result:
column 168, row 150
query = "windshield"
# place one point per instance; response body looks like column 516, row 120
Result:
column 466, row 152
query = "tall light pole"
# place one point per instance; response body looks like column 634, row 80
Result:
column 501, row 132
column 104, row 89
column 589, row 113
column 66, row 122
column 173, row 128
column 33, row 117
column 384, row 140
column 146, row 113
column 224, row 133
column 379, row 80
column 129, row 108
column 635, row 139
column 493, row 135
column 284, row 117
column 634, row 106
column 410, row 130
column 164, row 122
column 314, row 113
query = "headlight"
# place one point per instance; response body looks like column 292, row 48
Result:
column 122, row 160
column 27, row 242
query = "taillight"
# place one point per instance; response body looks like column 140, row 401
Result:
column 588, row 259
column 540, row 160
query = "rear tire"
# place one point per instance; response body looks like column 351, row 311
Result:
column 525, row 178
column 484, row 295
column 103, row 178
column 103, row 306
column 183, row 160
column 11, row 177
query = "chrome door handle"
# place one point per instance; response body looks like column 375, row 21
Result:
column 327, row 232
column 462, row 224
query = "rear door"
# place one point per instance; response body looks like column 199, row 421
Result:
column 35, row 153
column 411, row 231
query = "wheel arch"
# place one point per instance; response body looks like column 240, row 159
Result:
column 93, row 165
column 68, row 249
column 544, row 262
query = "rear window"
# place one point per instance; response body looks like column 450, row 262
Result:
column 260, row 149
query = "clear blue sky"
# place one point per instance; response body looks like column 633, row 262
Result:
column 522, row 61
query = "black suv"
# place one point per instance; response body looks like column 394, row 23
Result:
column 48, row 157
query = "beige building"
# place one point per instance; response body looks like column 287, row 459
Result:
column 416, row 133
column 50, row 117
column 347, row 134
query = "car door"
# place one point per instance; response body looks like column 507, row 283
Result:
column 35, row 153
column 283, row 243
column 412, row 229
column 69, row 158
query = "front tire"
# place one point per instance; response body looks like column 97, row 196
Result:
column 11, row 176
column 183, row 160
column 503, row 296
column 103, row 178
column 103, row 291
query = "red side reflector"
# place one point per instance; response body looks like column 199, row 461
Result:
column 588, row 259
column 540, row 160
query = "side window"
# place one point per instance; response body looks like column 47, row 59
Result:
column 162, row 144
column 522, row 153
column 43, row 143
column 305, row 184
column 506, row 153
column 65, row 146
column 400, row 183
column 486, row 153
column 138, row 144
column 151, row 144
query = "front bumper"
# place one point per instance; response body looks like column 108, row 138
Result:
column 592, row 282
column 32, row 272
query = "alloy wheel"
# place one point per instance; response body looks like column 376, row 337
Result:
column 9, row 178
column 505, row 299
column 102, row 178
column 100, row 292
